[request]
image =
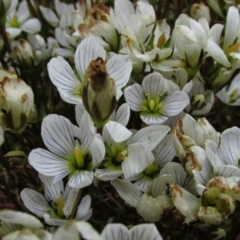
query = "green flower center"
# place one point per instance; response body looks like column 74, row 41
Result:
column 57, row 208
column 80, row 160
column 233, row 96
column 14, row 22
column 152, row 170
column 198, row 101
column 116, row 153
column 152, row 105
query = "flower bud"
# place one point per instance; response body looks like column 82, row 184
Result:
column 151, row 208
column 225, row 203
column 99, row 92
column 210, row 215
column 16, row 101
column 22, row 52
column 199, row 10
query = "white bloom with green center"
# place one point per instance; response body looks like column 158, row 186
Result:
column 231, row 94
column 57, row 205
column 19, row 20
column 128, row 153
column 73, row 153
column 153, row 101
column 163, row 153
column 140, row 232
column 70, row 85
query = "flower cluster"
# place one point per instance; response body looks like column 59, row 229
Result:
column 121, row 103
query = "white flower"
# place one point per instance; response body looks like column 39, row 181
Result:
column 199, row 10
column 163, row 153
column 231, row 94
column 18, row 20
column 73, row 153
column 127, row 153
column 153, row 101
column 70, row 86
column 57, row 204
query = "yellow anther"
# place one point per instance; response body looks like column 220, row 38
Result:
column 60, row 206
column 121, row 155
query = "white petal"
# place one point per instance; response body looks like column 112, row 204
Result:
column 31, row 26
column 174, row 103
column 70, row 199
column 227, row 171
column 119, row 67
column 23, row 13
column 21, row 218
column 107, row 175
column 127, row 191
column 122, row 114
column 134, row 97
column 150, row 136
column 81, row 179
column 48, row 164
column 153, row 120
column 13, row 32
column 57, row 134
column 79, row 110
column 115, row 231
column 66, row 231
column 63, row 77
column 52, row 221
column 144, row 231
column 49, row 15
column 217, row 54
column 83, row 208
column 123, row 9
column 97, row 150
column 232, row 24
column 138, row 158
column 154, row 84
column 176, row 171
column 87, row 231
column 51, row 191
column 164, row 152
column 88, row 50
column 34, row 201
column 117, row 131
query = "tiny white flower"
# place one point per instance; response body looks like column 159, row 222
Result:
column 73, row 153
column 153, row 101
column 19, row 20
column 57, row 204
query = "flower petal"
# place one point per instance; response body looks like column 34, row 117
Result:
column 57, row 134
column 63, row 77
column 154, row 84
column 34, row 201
column 127, row 191
column 107, row 175
column 51, row 191
column 83, row 208
column 134, row 97
column 32, row 25
column 48, row 163
column 138, row 158
column 144, row 231
column 115, row 231
column 174, row 103
column 119, row 67
column 81, row 179
column 88, row 50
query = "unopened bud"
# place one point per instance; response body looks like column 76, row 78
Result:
column 199, row 10
column 210, row 215
column 99, row 93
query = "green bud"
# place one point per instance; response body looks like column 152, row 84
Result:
column 99, row 93
column 225, row 203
